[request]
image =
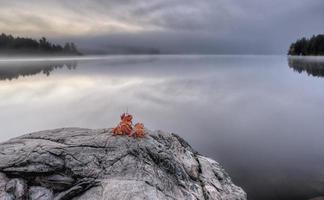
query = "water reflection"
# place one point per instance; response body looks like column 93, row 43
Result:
column 14, row 70
column 312, row 66
column 251, row 113
column 11, row 69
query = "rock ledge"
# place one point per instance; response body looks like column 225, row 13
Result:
column 86, row 164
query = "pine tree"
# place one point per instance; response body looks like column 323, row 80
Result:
column 311, row 46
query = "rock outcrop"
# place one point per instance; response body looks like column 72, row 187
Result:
column 85, row 164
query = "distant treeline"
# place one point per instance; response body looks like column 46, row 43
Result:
column 304, row 46
column 12, row 45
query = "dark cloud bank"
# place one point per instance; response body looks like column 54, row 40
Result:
column 182, row 26
column 209, row 26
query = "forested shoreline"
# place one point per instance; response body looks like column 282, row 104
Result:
column 10, row 45
column 313, row 46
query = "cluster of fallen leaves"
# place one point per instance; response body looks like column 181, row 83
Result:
column 125, row 127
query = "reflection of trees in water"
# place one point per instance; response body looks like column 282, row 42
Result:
column 14, row 70
column 314, row 67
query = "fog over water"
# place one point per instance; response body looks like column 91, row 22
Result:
column 261, row 117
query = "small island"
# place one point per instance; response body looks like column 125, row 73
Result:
column 313, row 46
column 10, row 45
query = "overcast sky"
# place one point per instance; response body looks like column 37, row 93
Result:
column 180, row 26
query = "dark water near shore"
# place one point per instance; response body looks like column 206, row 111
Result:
column 261, row 117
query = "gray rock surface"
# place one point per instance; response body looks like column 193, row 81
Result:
column 85, row 164
column 17, row 189
column 3, row 182
column 40, row 193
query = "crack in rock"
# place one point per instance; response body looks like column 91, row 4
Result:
column 86, row 164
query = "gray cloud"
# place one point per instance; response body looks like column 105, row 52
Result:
column 183, row 26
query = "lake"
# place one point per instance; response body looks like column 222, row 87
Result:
column 261, row 117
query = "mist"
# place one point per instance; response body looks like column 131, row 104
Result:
column 204, row 27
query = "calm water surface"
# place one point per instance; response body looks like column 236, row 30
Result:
column 262, row 117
